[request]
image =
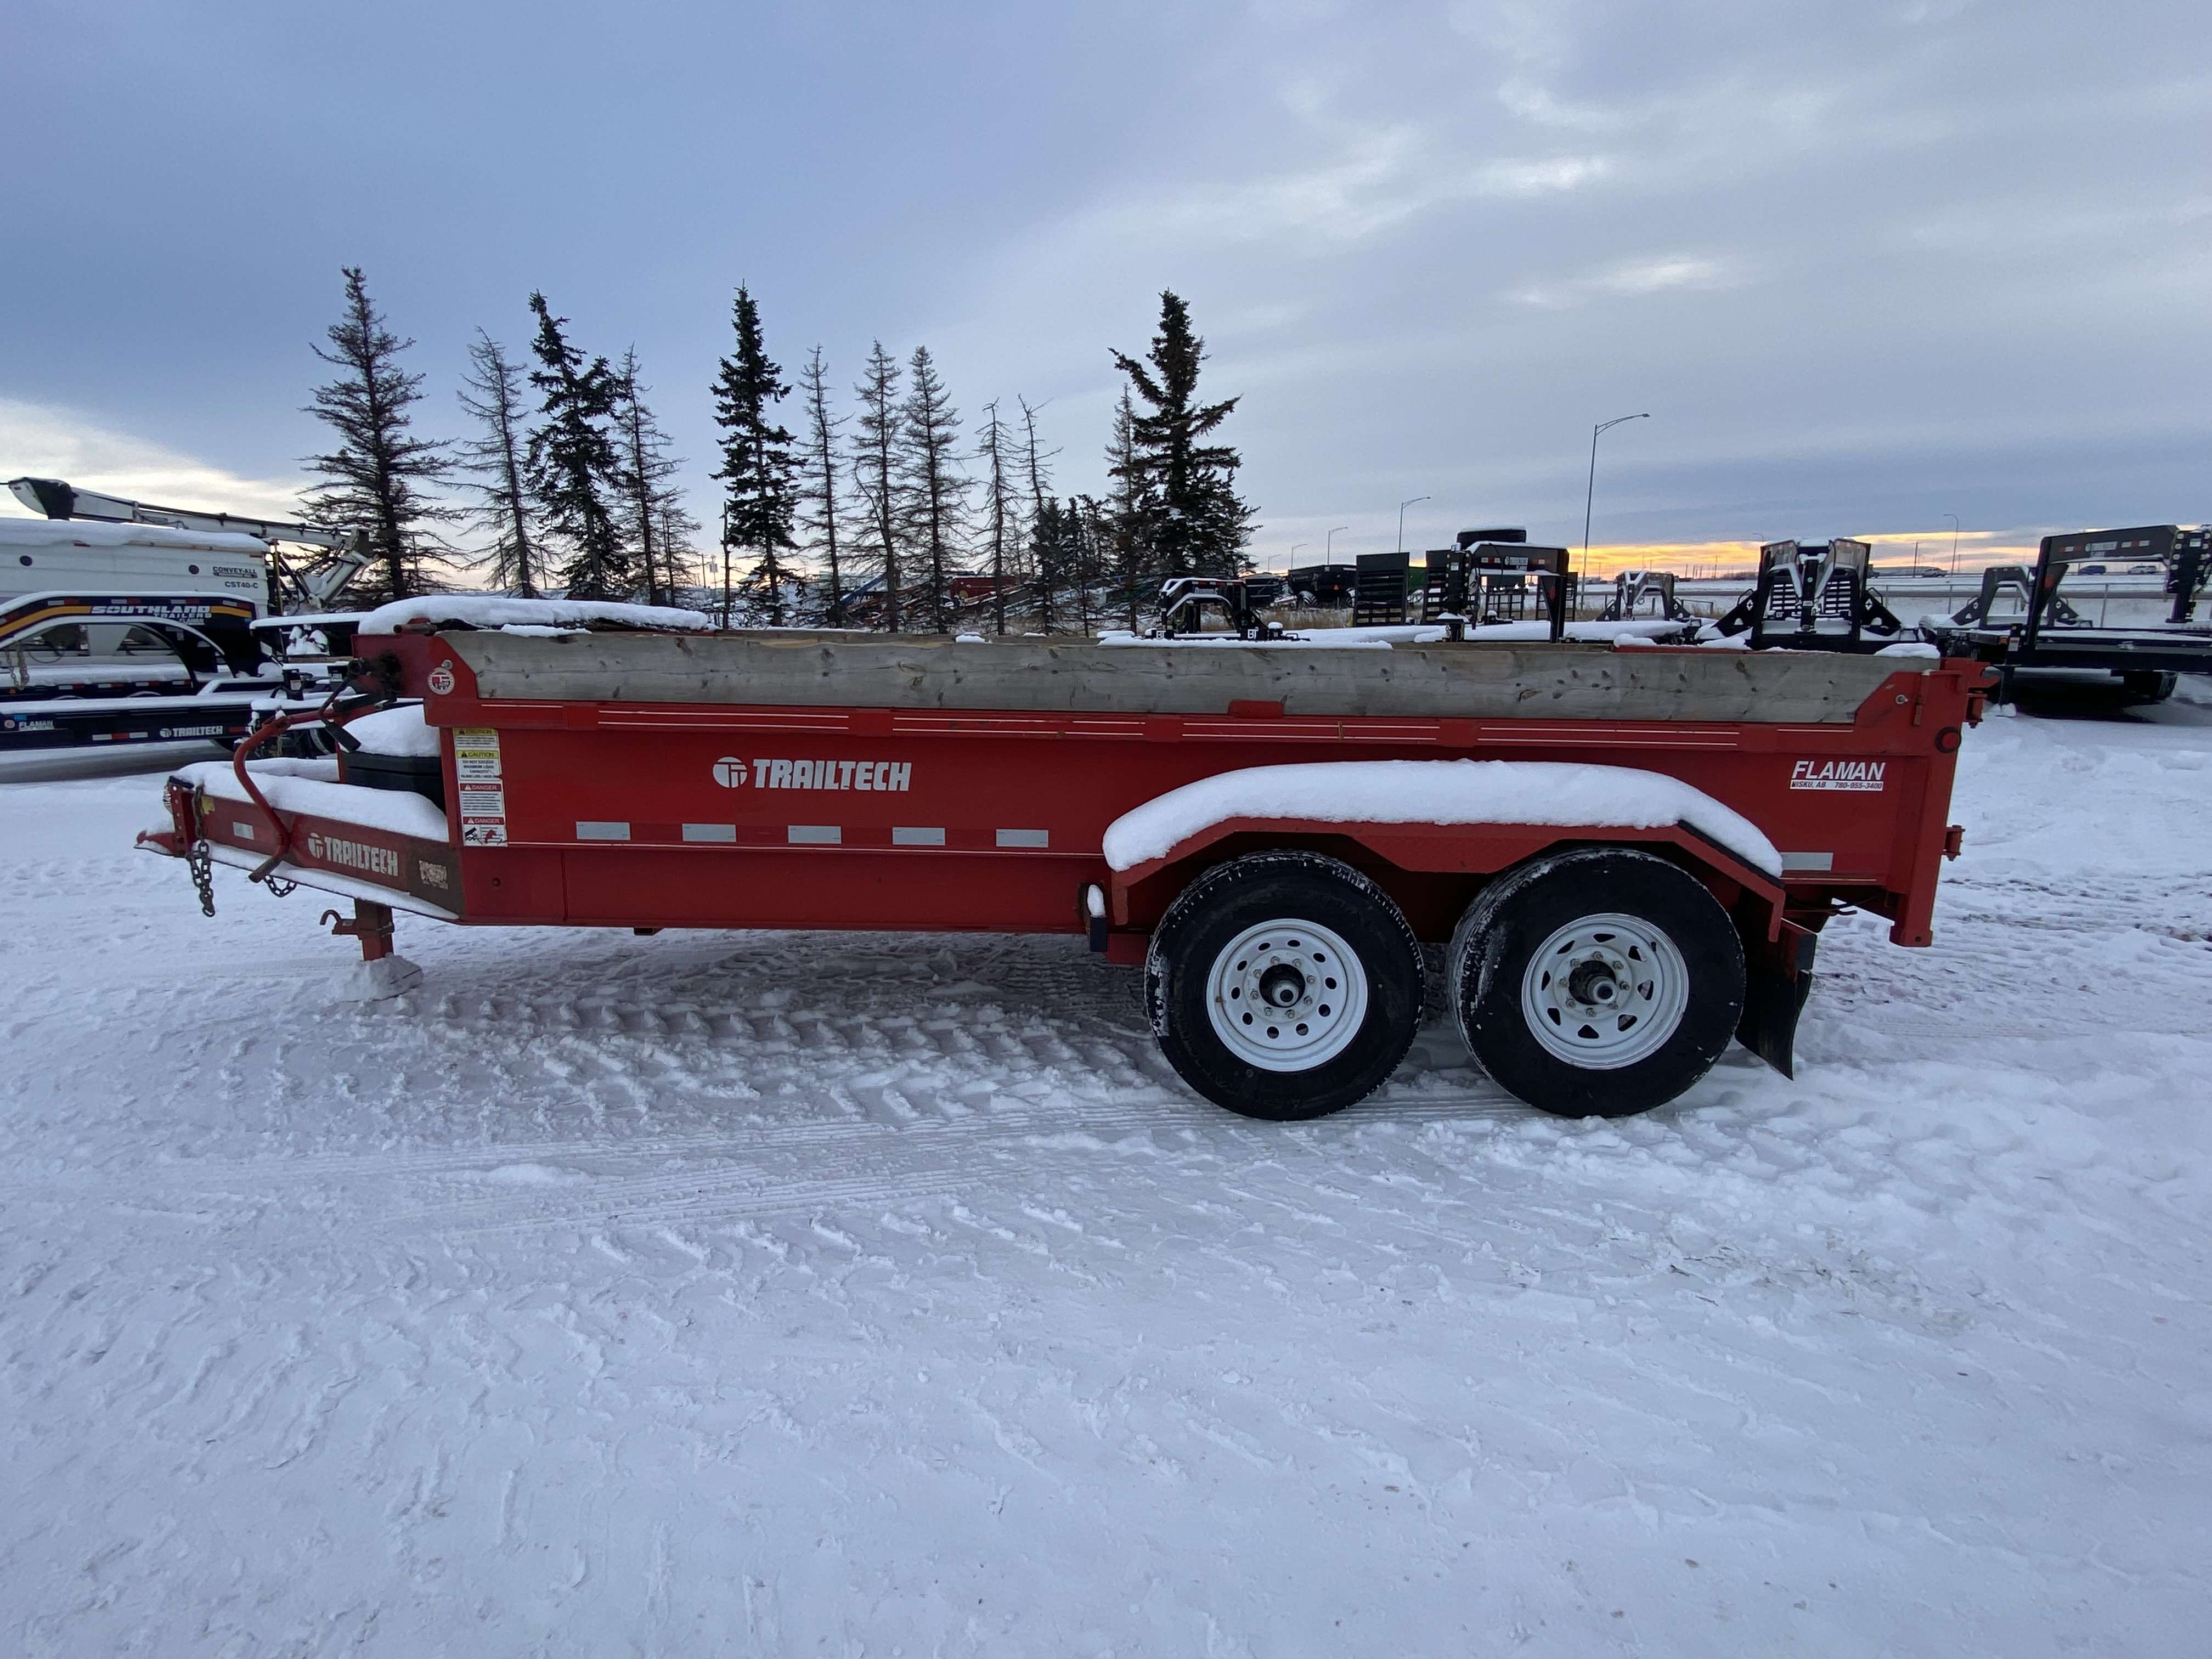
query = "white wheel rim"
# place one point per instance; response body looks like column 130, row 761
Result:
column 1286, row 995
column 1605, row 990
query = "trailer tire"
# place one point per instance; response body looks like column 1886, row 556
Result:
column 1599, row 982
column 1302, row 937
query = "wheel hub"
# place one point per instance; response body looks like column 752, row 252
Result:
column 1286, row 995
column 1605, row 990
column 1282, row 986
column 1594, row 984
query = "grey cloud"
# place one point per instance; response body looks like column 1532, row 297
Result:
column 1867, row 264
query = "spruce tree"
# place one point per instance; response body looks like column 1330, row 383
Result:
column 1081, row 516
column 758, row 467
column 875, row 471
column 935, row 492
column 492, row 391
column 818, row 491
column 1130, row 513
column 1048, row 541
column 647, row 473
column 379, row 479
column 1199, row 525
column 572, row 462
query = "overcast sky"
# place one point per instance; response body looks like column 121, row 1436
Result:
column 1865, row 265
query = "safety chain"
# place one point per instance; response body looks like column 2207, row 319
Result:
column 201, row 863
column 278, row 887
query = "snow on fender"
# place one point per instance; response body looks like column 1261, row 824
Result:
column 1562, row 792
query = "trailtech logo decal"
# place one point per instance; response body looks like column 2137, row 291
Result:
column 354, row 856
column 885, row 777
column 1850, row 774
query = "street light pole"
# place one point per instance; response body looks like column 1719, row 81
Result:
column 1402, row 506
column 1954, row 518
column 1329, row 547
column 1590, row 494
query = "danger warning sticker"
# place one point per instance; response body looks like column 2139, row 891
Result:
column 484, row 794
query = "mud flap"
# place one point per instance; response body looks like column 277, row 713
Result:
column 1777, row 978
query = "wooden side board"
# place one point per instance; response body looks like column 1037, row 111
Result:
column 1488, row 682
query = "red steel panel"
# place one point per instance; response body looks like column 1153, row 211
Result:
column 729, row 816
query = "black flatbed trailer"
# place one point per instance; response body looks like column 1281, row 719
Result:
column 220, row 715
column 2050, row 648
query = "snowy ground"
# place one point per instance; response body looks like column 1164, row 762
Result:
column 870, row 1295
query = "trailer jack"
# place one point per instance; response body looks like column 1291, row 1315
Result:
column 370, row 925
column 381, row 973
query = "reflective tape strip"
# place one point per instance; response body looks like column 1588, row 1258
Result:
column 903, row 837
column 1808, row 861
column 1024, row 838
column 592, row 831
column 813, row 835
column 710, row 832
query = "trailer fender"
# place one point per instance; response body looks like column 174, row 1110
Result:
column 1471, row 818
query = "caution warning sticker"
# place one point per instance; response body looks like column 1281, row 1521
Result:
column 476, row 753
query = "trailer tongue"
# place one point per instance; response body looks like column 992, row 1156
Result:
column 1629, row 853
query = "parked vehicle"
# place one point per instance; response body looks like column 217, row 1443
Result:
column 124, row 622
column 1628, row 854
column 1322, row 587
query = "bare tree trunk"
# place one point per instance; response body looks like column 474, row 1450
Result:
column 822, row 443
column 1033, row 462
column 995, row 448
column 726, row 567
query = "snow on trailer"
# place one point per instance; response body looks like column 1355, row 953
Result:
column 1628, row 851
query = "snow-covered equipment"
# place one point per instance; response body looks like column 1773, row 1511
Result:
column 2042, row 641
column 1814, row 597
column 125, row 623
column 339, row 555
column 1629, row 853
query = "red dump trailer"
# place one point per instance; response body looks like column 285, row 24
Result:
column 1627, row 851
